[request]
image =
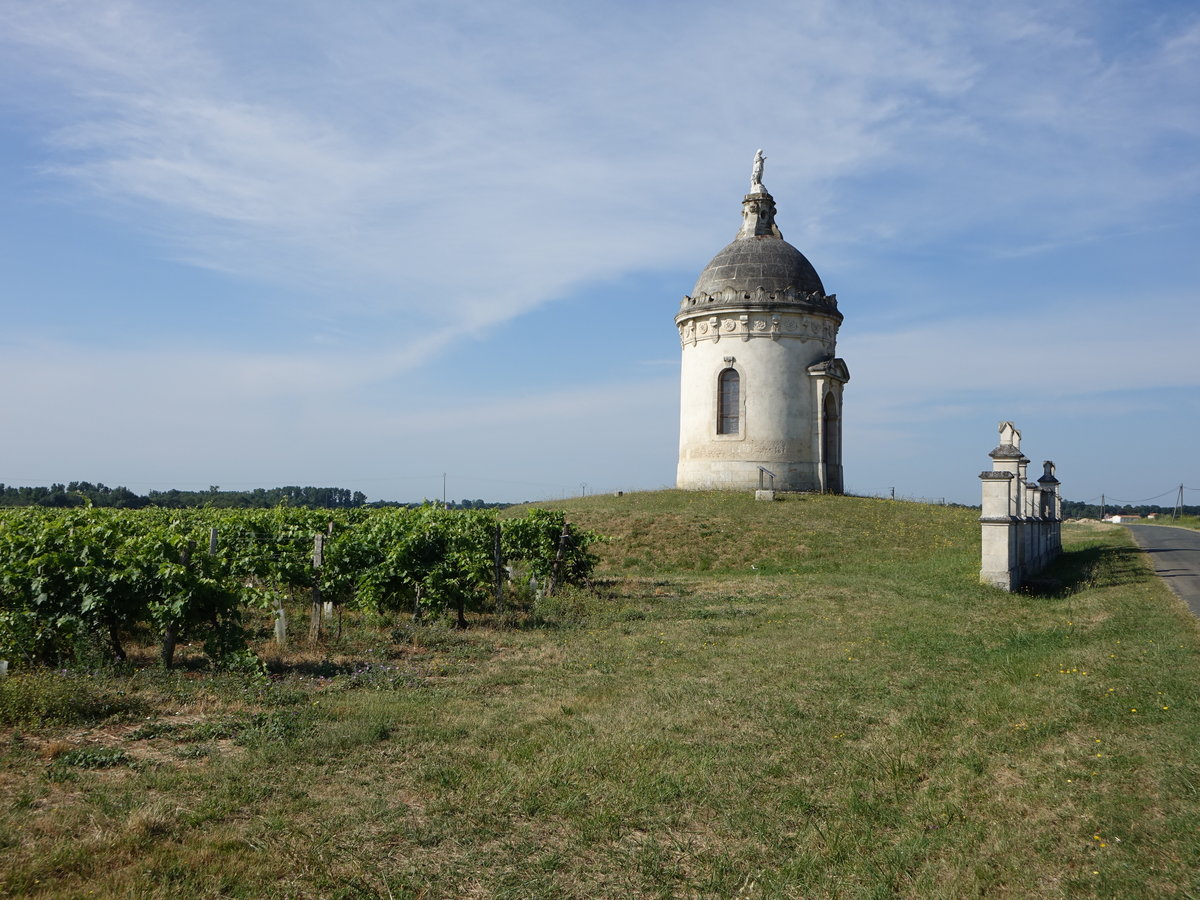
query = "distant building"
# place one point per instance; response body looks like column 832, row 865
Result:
column 761, row 384
column 1120, row 519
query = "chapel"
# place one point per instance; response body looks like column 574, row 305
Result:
column 761, row 384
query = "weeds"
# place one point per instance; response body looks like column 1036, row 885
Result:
column 93, row 758
column 43, row 697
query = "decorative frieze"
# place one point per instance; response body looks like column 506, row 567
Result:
column 748, row 325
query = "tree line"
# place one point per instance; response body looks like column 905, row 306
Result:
column 1074, row 509
column 85, row 493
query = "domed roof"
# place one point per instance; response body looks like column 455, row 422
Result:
column 759, row 257
column 764, row 261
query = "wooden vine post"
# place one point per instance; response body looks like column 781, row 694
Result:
column 280, row 622
column 171, row 629
column 498, row 569
column 558, row 558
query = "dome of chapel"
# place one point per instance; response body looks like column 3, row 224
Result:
column 759, row 257
column 749, row 263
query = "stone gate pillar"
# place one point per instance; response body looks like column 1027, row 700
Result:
column 1020, row 519
column 1000, row 545
column 1052, row 509
column 1004, row 512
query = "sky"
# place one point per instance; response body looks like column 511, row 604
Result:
column 407, row 247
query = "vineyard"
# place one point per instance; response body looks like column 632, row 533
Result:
column 88, row 580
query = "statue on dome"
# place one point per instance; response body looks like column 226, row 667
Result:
column 756, row 176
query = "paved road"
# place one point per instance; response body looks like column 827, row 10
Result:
column 1175, row 555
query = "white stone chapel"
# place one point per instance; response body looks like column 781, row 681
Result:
column 761, row 384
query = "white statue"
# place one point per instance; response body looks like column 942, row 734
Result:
column 756, row 177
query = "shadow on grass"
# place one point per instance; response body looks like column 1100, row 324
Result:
column 1089, row 567
column 322, row 668
column 607, row 599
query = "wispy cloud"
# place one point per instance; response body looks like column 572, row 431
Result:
column 1071, row 350
column 496, row 158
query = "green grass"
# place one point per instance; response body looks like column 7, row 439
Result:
column 1192, row 522
column 812, row 698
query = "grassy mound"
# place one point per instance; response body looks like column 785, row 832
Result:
column 810, row 698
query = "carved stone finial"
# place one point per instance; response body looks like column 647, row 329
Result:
column 1009, row 434
column 757, row 173
column 758, row 216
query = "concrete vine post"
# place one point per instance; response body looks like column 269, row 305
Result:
column 318, row 560
column 280, row 622
column 328, row 608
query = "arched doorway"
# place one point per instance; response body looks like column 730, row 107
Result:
column 831, row 449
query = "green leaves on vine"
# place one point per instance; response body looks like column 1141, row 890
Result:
column 100, row 575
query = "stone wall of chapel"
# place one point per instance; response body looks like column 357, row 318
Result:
column 772, row 353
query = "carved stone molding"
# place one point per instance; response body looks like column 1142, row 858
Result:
column 760, row 298
column 830, row 368
column 762, row 325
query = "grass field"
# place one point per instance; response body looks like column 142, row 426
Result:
column 811, row 698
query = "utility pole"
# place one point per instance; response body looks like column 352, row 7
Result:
column 1101, row 507
column 443, row 489
column 1178, row 511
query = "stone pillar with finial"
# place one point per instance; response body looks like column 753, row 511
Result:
column 1051, row 510
column 1020, row 519
column 1003, row 499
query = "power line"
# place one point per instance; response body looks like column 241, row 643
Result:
column 1146, row 500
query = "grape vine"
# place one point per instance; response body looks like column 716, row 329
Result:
column 97, row 577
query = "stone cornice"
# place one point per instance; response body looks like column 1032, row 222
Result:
column 760, row 300
column 835, row 369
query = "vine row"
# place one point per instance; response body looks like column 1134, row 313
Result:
column 96, row 577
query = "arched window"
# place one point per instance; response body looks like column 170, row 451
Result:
column 729, row 402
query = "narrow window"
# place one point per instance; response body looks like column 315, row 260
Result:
column 728, row 402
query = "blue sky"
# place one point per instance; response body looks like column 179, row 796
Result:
column 365, row 244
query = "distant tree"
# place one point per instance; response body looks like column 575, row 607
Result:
column 80, row 493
